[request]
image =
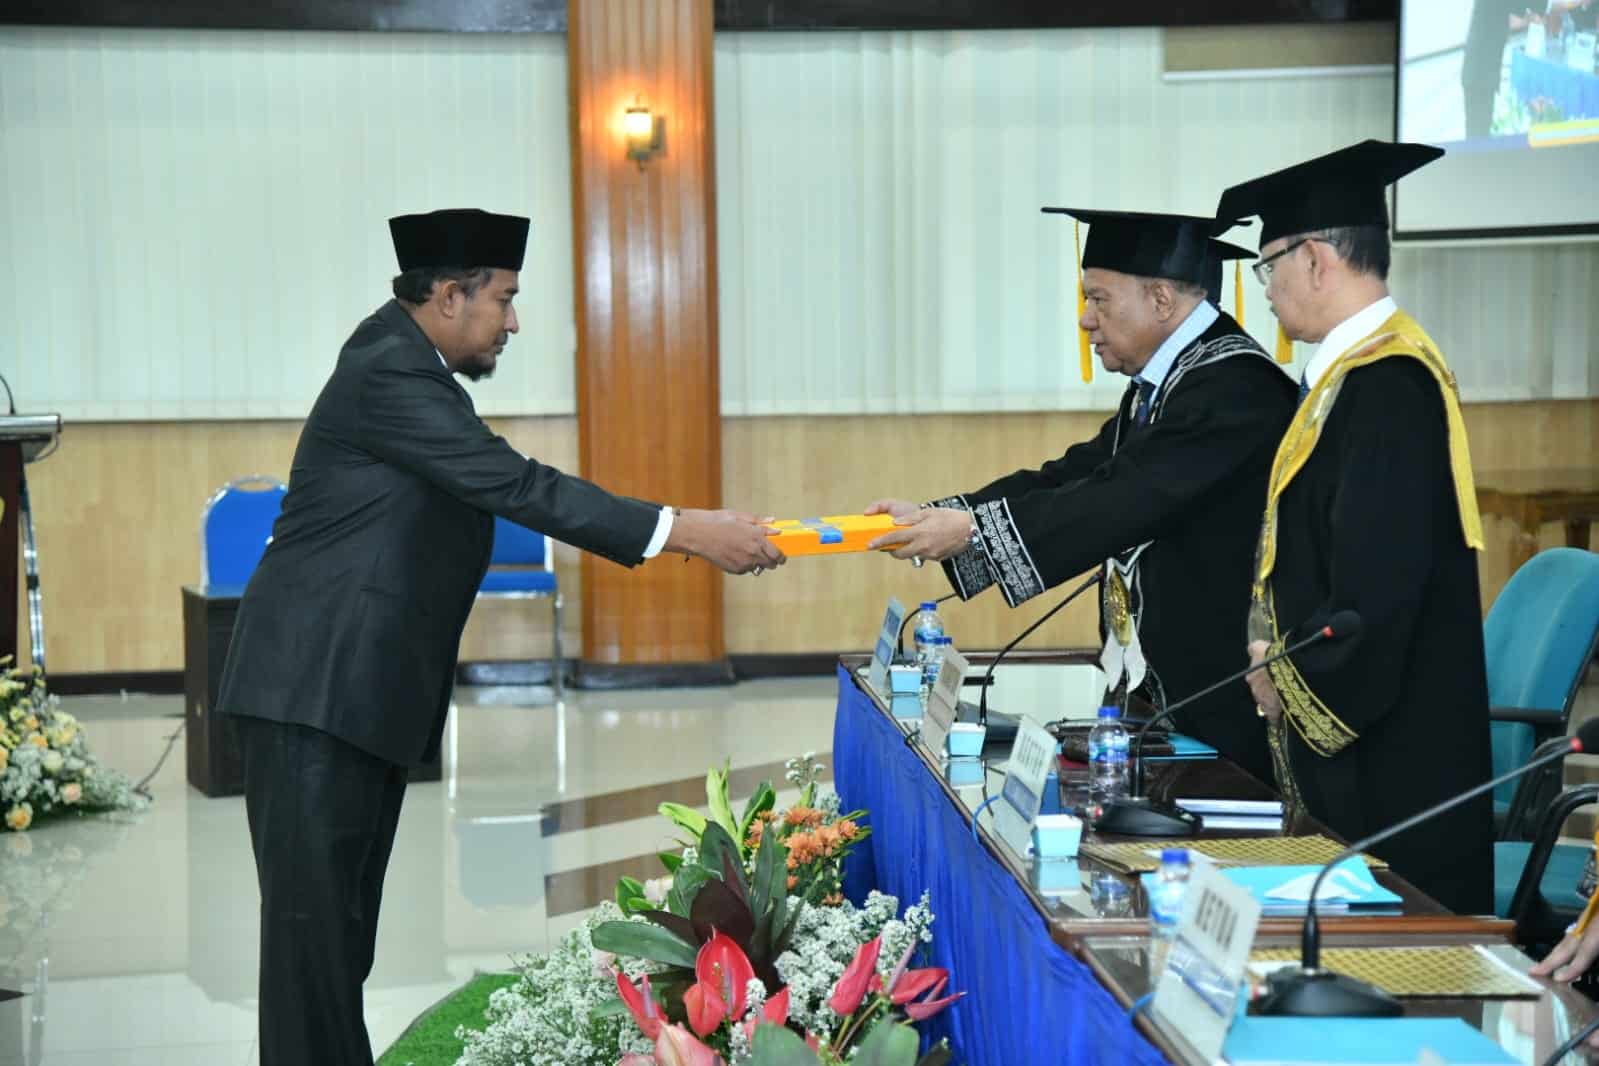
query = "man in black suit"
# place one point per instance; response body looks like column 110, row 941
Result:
column 344, row 652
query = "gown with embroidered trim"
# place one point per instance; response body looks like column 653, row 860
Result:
column 1192, row 482
column 1371, row 523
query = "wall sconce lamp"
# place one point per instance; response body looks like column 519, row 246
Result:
column 646, row 134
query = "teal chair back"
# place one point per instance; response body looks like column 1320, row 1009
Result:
column 1539, row 637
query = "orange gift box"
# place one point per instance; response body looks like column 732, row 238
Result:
column 830, row 535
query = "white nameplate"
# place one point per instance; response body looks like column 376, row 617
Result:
column 1025, row 775
column 944, row 700
column 887, row 646
column 1197, row 992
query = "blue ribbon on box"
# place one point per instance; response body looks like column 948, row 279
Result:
column 829, row 534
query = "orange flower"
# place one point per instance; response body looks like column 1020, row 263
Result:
column 754, row 840
column 846, row 829
column 835, row 900
column 792, row 882
column 802, row 816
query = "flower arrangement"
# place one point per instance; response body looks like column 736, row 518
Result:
column 45, row 765
column 745, row 954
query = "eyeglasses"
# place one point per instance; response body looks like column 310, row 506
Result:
column 1263, row 269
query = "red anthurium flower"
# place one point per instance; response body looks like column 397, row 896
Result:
column 676, row 1046
column 928, row 1007
column 636, row 1059
column 812, row 1042
column 916, row 983
column 646, row 1012
column 705, row 1006
column 899, row 967
column 851, row 987
column 722, row 964
column 775, row 1011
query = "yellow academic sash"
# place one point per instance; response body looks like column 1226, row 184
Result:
column 1398, row 336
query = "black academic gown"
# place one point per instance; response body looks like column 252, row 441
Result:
column 1371, row 523
column 352, row 622
column 1190, row 482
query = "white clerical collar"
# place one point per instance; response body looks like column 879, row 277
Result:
column 1201, row 318
column 1346, row 334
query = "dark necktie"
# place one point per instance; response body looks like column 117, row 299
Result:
column 1304, row 388
column 1146, row 394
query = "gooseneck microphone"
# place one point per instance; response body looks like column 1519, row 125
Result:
column 982, row 700
column 1308, row 991
column 1138, row 815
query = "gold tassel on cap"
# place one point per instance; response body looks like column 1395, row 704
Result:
column 1238, row 292
column 1085, row 357
column 1285, row 347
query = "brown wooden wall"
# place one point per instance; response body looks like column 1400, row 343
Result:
column 645, row 245
column 118, row 508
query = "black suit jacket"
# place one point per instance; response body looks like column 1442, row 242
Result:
column 352, row 622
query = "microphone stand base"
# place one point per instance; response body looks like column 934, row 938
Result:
column 1002, row 728
column 1140, row 816
column 1299, row 993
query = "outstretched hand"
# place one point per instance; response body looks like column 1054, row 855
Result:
column 736, row 542
column 935, row 533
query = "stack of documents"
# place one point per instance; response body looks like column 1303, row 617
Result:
column 1264, row 816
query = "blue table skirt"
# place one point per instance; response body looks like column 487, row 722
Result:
column 1576, row 92
column 1028, row 1001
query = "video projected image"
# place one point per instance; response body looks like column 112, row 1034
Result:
column 1512, row 92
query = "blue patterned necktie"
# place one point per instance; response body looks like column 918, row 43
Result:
column 1146, row 393
column 1304, row 388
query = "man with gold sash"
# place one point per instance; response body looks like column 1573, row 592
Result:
column 1369, row 507
column 1165, row 497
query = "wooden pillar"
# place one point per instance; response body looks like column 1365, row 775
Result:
column 649, row 406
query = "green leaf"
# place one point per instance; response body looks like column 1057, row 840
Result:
column 677, row 925
column 714, row 845
column 611, row 1008
column 627, row 890
column 888, row 1044
column 642, row 941
column 684, row 817
column 765, row 799
column 777, row 1046
column 671, row 860
column 717, row 800
column 685, row 886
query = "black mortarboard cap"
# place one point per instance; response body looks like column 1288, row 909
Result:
column 459, row 237
column 1179, row 247
column 1348, row 187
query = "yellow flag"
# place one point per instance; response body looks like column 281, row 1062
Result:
column 1238, row 292
column 1285, row 347
column 1085, row 357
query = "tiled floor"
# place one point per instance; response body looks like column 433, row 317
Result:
column 134, row 938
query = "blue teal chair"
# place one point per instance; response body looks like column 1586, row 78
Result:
column 1544, row 900
column 236, row 528
column 522, row 567
column 1539, row 637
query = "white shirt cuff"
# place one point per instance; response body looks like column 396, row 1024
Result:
column 663, row 529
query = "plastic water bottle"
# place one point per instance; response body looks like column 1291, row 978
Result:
column 1107, row 758
column 931, row 662
column 1166, row 905
column 926, row 631
column 926, row 626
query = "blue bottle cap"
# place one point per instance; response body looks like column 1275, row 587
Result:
column 1177, row 856
column 1110, row 712
column 929, row 605
column 943, row 640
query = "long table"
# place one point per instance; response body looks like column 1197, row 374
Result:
column 1044, row 953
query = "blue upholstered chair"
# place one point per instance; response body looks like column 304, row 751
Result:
column 1544, row 898
column 522, row 567
column 236, row 527
column 1540, row 637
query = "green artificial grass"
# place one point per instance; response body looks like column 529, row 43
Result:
column 430, row 1040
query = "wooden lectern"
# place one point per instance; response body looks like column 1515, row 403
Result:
column 22, row 439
